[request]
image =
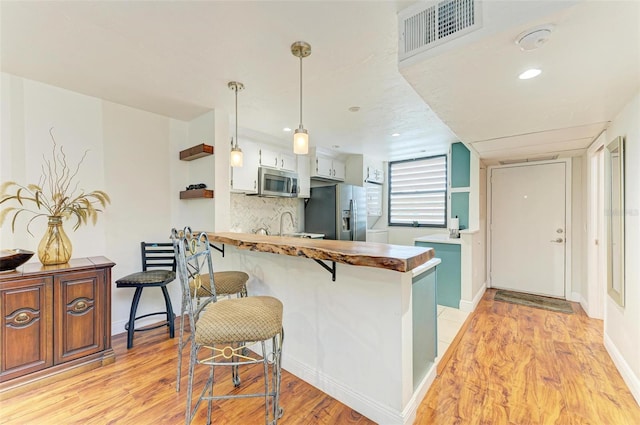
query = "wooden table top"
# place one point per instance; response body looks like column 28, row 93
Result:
column 391, row 257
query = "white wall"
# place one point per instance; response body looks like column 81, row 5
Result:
column 133, row 156
column 622, row 324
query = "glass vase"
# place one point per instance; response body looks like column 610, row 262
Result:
column 55, row 247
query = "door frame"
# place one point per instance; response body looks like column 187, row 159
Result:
column 596, row 290
column 568, row 231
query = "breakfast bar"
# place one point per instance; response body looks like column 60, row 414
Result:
column 368, row 338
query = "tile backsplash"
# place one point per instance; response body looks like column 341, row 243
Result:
column 252, row 212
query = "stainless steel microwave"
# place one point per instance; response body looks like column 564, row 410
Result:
column 272, row 182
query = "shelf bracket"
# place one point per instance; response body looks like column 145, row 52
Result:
column 217, row 249
column 331, row 269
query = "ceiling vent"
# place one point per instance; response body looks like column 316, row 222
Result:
column 435, row 23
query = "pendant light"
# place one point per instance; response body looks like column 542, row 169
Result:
column 301, row 50
column 236, row 152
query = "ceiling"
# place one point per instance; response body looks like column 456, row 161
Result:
column 176, row 58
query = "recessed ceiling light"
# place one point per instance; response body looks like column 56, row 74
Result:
column 530, row 73
column 354, row 109
column 395, row 134
column 287, row 129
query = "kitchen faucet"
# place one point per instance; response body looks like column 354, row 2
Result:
column 293, row 223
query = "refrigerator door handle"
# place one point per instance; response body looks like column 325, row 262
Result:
column 354, row 221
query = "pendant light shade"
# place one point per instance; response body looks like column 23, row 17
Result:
column 301, row 50
column 301, row 141
column 236, row 153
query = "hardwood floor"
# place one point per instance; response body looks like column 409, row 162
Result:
column 139, row 388
column 513, row 365
column 521, row 365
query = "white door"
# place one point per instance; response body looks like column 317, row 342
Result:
column 528, row 229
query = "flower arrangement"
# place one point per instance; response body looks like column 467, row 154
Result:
column 56, row 196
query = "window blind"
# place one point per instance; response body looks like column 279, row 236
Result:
column 418, row 192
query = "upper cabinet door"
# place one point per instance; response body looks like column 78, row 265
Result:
column 288, row 161
column 269, row 158
column 339, row 170
column 245, row 179
column 323, row 167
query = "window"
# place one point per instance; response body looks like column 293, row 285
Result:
column 418, row 192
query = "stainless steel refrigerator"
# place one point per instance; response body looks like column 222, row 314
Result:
column 338, row 211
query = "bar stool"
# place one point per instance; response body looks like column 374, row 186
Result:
column 154, row 255
column 226, row 284
column 226, row 328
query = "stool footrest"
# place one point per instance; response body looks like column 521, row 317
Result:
column 151, row 327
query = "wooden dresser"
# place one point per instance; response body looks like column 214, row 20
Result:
column 56, row 322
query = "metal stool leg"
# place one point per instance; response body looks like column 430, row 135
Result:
column 132, row 317
column 170, row 315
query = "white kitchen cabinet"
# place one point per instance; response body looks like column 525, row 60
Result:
column 278, row 159
column 374, row 174
column 327, row 168
column 304, row 182
column 363, row 169
column 378, row 235
column 339, row 169
column 245, row 179
column 374, row 199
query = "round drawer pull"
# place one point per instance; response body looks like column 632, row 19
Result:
column 22, row 318
column 80, row 306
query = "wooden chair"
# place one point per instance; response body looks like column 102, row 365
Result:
column 222, row 330
column 161, row 258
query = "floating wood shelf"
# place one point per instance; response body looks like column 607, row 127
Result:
column 196, row 152
column 196, row 193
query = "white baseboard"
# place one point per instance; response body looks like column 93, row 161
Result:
column 471, row 305
column 585, row 305
column 410, row 411
column 366, row 406
column 625, row 370
column 574, row 297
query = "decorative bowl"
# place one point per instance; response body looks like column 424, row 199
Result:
column 12, row 258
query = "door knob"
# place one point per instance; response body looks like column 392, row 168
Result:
column 558, row 240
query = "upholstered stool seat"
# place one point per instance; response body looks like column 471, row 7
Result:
column 225, row 283
column 256, row 318
column 148, row 278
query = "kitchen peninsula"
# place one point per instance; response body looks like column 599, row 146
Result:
column 368, row 338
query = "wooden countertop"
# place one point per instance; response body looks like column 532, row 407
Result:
column 391, row 257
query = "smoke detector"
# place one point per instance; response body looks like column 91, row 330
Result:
column 534, row 38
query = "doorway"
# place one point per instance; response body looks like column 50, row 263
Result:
column 528, row 227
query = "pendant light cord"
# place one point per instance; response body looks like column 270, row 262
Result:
column 236, row 90
column 300, row 91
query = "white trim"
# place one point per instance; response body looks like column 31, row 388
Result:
column 596, row 259
column 575, row 297
column 568, row 287
column 623, row 367
column 411, row 409
column 471, row 305
column 584, row 304
column 359, row 402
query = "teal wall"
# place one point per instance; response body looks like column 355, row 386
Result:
column 460, row 165
column 425, row 325
column 460, row 208
column 449, row 271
